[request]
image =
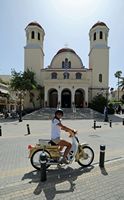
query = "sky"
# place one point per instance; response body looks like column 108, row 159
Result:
column 66, row 23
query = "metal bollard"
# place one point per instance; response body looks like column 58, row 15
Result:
column 123, row 121
column 43, row 160
column 94, row 124
column 0, row 131
column 110, row 123
column 102, row 155
column 28, row 129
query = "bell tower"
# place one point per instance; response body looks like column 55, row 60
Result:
column 33, row 51
column 99, row 57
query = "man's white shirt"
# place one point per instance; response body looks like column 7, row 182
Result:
column 55, row 129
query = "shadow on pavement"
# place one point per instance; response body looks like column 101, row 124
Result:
column 114, row 118
column 8, row 120
column 55, row 177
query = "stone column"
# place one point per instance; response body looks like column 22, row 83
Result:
column 45, row 97
column 86, row 97
column 59, row 96
column 73, row 96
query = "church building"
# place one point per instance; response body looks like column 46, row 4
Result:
column 66, row 81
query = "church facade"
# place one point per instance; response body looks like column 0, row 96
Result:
column 66, row 82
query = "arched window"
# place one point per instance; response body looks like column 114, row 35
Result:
column 78, row 75
column 69, row 64
column 66, row 75
column 122, row 97
column 94, row 36
column 32, row 34
column 63, row 64
column 38, row 36
column 101, row 35
column 100, row 78
column 66, row 64
column 54, row 75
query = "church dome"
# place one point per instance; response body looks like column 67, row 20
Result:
column 67, row 55
column 99, row 24
column 34, row 24
column 65, row 50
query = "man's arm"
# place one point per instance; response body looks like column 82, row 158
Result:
column 65, row 128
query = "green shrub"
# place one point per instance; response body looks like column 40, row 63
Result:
column 111, row 109
column 98, row 103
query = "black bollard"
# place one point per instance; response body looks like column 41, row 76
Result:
column 94, row 124
column 0, row 131
column 28, row 129
column 110, row 123
column 43, row 160
column 102, row 155
column 123, row 121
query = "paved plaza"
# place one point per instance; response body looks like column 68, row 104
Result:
column 19, row 180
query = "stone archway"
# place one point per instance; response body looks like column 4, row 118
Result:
column 79, row 98
column 53, row 98
column 66, row 98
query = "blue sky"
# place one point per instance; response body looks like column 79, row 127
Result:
column 64, row 22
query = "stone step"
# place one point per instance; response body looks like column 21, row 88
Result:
column 69, row 113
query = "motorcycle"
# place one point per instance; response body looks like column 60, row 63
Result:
column 83, row 154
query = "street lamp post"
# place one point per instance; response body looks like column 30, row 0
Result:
column 106, row 108
column 20, row 97
column 20, row 107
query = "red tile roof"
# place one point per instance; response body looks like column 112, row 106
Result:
column 99, row 24
column 35, row 24
column 66, row 50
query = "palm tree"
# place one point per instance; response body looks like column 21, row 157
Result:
column 121, row 83
column 118, row 75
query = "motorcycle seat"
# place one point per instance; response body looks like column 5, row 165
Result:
column 52, row 143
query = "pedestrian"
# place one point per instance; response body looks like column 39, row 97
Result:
column 119, row 109
column 122, row 109
column 106, row 114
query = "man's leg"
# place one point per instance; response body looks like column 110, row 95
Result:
column 67, row 145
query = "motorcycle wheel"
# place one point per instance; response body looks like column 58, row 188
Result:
column 35, row 159
column 89, row 157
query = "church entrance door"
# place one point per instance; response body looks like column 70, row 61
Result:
column 53, row 98
column 79, row 98
column 66, row 98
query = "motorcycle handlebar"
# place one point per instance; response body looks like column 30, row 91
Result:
column 72, row 132
column 69, row 130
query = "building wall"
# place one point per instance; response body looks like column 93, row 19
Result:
column 98, row 67
column 114, row 95
column 34, row 62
